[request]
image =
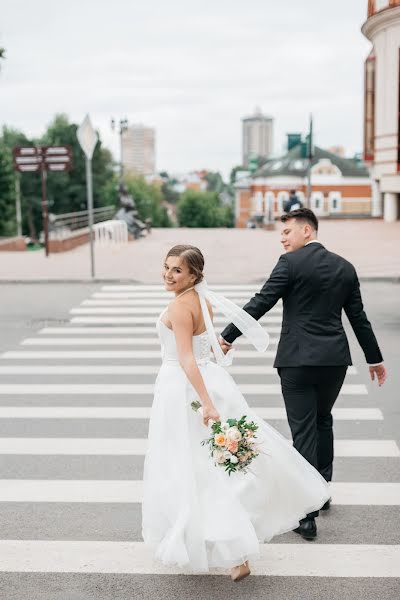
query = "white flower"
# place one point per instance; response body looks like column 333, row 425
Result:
column 233, row 434
column 234, row 459
column 225, row 426
column 218, row 456
column 227, row 455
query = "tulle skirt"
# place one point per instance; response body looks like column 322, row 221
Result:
column 195, row 514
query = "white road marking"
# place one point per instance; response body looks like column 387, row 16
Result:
column 125, row 370
column 118, row 341
column 113, row 354
column 290, row 560
column 157, row 304
column 138, row 447
column 140, row 388
column 150, row 320
column 143, row 412
column 222, row 288
column 126, row 491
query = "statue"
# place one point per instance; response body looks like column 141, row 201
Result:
column 128, row 213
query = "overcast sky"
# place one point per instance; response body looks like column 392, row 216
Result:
column 190, row 69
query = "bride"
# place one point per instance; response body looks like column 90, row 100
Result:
column 196, row 515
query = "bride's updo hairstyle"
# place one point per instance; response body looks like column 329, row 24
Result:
column 192, row 256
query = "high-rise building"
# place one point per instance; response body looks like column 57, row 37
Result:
column 382, row 106
column 257, row 137
column 138, row 150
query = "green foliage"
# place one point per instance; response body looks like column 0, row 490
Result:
column 203, row 209
column 66, row 192
column 215, row 183
column 148, row 199
column 7, row 193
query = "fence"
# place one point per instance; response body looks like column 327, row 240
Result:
column 62, row 226
column 110, row 233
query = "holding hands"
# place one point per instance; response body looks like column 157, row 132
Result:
column 380, row 372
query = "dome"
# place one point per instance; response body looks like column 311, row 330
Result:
column 375, row 6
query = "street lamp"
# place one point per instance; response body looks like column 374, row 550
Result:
column 123, row 126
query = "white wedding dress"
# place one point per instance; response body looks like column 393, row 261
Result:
column 194, row 514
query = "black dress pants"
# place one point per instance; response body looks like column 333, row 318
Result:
column 309, row 394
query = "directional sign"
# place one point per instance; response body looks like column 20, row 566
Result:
column 37, row 158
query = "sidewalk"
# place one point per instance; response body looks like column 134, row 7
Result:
column 232, row 255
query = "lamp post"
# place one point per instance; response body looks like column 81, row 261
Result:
column 122, row 126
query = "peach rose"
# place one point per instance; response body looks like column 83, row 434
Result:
column 232, row 446
column 219, row 439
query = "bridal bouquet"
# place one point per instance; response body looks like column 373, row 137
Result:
column 232, row 443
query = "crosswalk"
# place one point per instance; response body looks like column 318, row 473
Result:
column 74, row 408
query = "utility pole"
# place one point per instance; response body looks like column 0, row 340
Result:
column 310, row 155
column 123, row 126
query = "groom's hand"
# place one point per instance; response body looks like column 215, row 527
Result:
column 380, row 372
column 224, row 346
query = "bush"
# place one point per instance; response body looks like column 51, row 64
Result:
column 203, row 209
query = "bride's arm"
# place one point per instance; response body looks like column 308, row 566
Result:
column 182, row 325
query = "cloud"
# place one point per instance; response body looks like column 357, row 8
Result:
column 191, row 70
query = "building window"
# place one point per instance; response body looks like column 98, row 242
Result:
column 317, row 202
column 369, row 107
column 335, row 202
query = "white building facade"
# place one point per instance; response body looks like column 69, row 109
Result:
column 139, row 150
column 382, row 105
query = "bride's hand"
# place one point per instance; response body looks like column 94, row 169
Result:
column 210, row 412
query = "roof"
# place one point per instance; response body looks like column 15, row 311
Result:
column 293, row 163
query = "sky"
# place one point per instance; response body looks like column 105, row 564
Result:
column 189, row 69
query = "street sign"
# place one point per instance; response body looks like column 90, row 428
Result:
column 31, row 159
column 87, row 137
column 36, row 158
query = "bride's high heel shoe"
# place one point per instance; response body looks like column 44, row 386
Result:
column 240, row 572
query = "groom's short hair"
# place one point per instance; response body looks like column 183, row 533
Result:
column 302, row 214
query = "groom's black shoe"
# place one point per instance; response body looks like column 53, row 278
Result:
column 327, row 505
column 307, row 529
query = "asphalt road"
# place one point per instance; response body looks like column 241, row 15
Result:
column 43, row 499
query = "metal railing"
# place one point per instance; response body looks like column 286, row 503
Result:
column 62, row 226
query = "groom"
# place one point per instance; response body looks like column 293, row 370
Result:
column 313, row 352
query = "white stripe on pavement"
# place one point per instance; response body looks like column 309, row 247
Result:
column 74, row 330
column 138, row 447
column 147, row 302
column 143, row 412
column 290, row 560
column 168, row 296
column 113, row 354
column 161, row 288
column 151, row 310
column 125, row 370
column 128, row 491
column 151, row 320
column 141, row 388
column 118, row 341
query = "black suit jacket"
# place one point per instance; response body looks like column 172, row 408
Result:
column 315, row 286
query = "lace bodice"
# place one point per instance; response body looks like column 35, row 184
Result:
column 201, row 344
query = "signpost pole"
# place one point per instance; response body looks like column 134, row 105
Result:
column 88, row 138
column 45, row 208
column 89, row 181
column 18, row 203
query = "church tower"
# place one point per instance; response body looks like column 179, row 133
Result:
column 382, row 105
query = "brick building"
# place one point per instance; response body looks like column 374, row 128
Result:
column 341, row 187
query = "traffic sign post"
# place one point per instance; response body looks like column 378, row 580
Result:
column 87, row 138
column 32, row 159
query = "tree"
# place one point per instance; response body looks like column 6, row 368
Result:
column 215, row 183
column 7, row 193
column 203, row 209
column 148, row 199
